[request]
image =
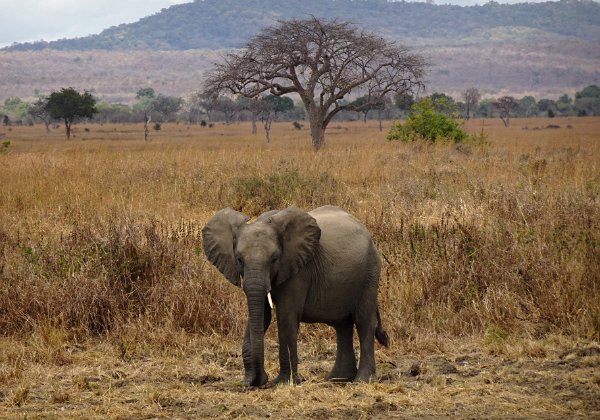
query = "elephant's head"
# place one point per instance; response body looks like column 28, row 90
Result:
column 264, row 254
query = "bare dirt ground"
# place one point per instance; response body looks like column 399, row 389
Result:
column 554, row 378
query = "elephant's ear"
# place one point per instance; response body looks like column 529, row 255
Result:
column 218, row 239
column 300, row 236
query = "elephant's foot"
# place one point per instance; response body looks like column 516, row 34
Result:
column 251, row 380
column 340, row 377
column 365, row 377
column 287, row 379
column 342, row 374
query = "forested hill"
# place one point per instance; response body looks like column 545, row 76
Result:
column 228, row 23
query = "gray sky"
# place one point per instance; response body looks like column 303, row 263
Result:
column 48, row 20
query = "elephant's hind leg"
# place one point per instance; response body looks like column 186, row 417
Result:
column 366, row 326
column 344, row 368
column 366, row 322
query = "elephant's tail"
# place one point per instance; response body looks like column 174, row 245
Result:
column 380, row 334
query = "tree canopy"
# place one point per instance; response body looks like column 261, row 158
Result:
column 70, row 106
column 322, row 62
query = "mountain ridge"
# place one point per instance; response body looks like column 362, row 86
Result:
column 217, row 24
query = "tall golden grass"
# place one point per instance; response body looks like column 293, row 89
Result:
column 101, row 234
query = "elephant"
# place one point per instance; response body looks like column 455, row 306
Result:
column 318, row 266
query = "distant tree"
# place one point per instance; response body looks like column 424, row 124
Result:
column 281, row 104
column 165, row 106
column 266, row 113
column 381, row 109
column 485, row 108
column 70, row 106
column 471, row 97
column 587, row 101
column 564, row 104
column 322, row 61
column 265, row 109
column 591, row 91
column 251, row 106
column 146, row 92
column 108, row 113
column 443, row 103
column 505, row 105
column 404, row 101
column 359, row 103
column 199, row 104
column 227, row 107
column 547, row 106
column 16, row 108
column 37, row 110
column 527, row 106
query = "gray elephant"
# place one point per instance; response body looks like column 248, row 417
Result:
column 320, row 266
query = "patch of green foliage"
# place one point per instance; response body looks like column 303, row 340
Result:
column 430, row 120
column 4, row 146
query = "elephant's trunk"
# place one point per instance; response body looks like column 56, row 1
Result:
column 256, row 293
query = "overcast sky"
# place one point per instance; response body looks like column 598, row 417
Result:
column 48, row 20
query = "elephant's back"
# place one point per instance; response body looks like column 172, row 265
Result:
column 335, row 218
column 341, row 232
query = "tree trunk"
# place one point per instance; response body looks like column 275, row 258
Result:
column 316, row 121
column 267, row 125
column 254, row 124
column 68, row 128
column 318, row 135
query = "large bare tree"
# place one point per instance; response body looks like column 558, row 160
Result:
column 321, row 61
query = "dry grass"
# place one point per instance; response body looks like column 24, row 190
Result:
column 490, row 253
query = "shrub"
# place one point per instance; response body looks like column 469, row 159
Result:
column 255, row 195
column 427, row 121
column 4, row 146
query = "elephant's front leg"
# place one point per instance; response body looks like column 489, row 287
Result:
column 288, row 349
column 250, row 376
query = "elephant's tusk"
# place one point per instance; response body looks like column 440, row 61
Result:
column 270, row 300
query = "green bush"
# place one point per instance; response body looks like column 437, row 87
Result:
column 427, row 121
column 4, row 146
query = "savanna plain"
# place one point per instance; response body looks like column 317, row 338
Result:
column 490, row 285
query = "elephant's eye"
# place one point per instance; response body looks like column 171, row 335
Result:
column 239, row 260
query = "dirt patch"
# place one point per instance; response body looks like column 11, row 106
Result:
column 461, row 381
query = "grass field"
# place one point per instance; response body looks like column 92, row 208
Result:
column 490, row 285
